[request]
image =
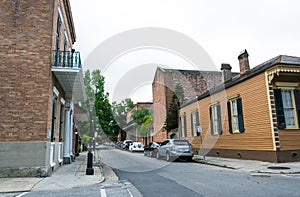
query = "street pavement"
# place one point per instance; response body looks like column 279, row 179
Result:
column 73, row 175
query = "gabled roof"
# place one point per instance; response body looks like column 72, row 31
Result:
column 281, row 59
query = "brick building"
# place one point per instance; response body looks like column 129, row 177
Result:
column 40, row 80
column 193, row 83
column 131, row 128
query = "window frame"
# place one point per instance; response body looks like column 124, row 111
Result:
column 194, row 122
column 238, row 119
column 183, row 125
column 280, row 108
column 215, row 119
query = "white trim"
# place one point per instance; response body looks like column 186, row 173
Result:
column 60, row 14
column 66, row 36
column 62, row 101
column 286, row 84
column 270, row 110
column 55, row 91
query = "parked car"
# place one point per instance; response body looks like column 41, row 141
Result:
column 119, row 144
column 126, row 144
column 136, row 146
column 151, row 149
column 172, row 149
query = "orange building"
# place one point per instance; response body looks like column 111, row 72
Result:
column 255, row 115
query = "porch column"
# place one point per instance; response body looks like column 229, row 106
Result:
column 71, row 133
column 67, row 159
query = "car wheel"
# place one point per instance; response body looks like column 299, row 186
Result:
column 151, row 154
column 157, row 155
column 189, row 159
column 168, row 157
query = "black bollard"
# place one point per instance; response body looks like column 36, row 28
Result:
column 90, row 169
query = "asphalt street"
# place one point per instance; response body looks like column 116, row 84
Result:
column 152, row 177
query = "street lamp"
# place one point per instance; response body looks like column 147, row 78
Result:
column 90, row 169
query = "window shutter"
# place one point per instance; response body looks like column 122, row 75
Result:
column 211, row 121
column 197, row 118
column 184, row 122
column 279, row 109
column 219, row 119
column 192, row 124
column 297, row 100
column 229, row 116
column 240, row 115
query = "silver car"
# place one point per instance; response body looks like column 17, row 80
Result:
column 172, row 149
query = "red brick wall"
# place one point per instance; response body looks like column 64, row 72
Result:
column 27, row 38
column 193, row 83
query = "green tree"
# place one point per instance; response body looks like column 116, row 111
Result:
column 103, row 107
column 171, row 122
column 120, row 113
column 143, row 118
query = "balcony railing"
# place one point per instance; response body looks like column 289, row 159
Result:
column 69, row 59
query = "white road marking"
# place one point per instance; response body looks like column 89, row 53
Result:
column 24, row 193
column 103, row 193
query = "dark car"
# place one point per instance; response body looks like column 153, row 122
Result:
column 119, row 144
column 151, row 149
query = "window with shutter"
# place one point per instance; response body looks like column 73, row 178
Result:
column 235, row 115
column 287, row 107
column 215, row 119
column 194, row 122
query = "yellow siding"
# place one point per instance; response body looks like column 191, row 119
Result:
column 258, row 131
column 289, row 139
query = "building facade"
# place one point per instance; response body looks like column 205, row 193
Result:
column 252, row 116
column 41, row 80
column 165, row 80
column 131, row 128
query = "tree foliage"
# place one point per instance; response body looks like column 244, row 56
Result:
column 171, row 121
column 120, row 113
column 143, row 118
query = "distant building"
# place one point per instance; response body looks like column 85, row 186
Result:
column 193, row 83
column 255, row 115
column 41, row 80
column 131, row 128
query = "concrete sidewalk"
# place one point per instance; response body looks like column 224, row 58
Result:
column 251, row 166
column 66, row 177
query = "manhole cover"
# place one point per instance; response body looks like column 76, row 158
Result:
column 278, row 168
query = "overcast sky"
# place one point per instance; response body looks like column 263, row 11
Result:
column 223, row 28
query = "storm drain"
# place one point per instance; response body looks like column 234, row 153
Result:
column 278, row 168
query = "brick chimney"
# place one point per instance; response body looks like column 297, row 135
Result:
column 244, row 62
column 226, row 72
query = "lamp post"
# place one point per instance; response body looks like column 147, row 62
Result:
column 90, row 169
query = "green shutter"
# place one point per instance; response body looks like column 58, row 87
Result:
column 197, row 118
column 211, row 121
column 279, row 109
column 184, row 122
column 240, row 115
column 192, row 124
column 219, row 119
column 229, row 116
column 297, row 101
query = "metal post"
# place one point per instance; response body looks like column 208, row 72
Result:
column 90, row 169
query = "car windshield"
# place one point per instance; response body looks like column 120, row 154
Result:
column 181, row 142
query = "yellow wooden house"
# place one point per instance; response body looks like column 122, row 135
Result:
column 255, row 115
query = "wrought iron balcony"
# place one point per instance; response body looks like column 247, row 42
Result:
column 67, row 68
column 70, row 59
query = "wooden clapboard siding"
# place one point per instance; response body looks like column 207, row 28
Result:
column 188, row 110
column 258, row 130
column 289, row 139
